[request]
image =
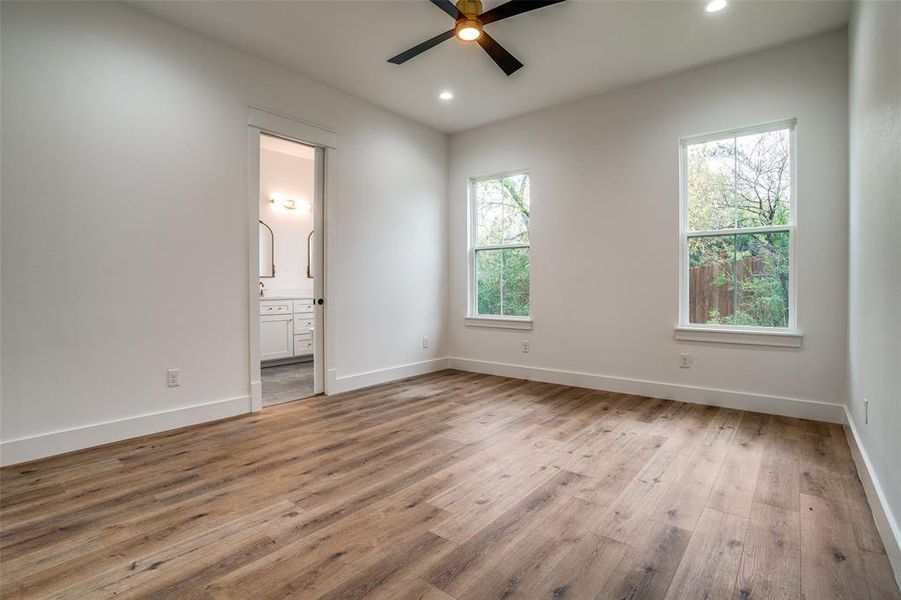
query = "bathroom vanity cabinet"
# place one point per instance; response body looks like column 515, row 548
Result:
column 286, row 328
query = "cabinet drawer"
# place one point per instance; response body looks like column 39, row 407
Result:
column 303, row 324
column 302, row 345
column 275, row 307
column 303, row 306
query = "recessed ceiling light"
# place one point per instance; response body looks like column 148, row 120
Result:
column 715, row 5
column 446, row 95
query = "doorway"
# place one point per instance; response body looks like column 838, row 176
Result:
column 289, row 256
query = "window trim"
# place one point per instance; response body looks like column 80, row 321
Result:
column 739, row 334
column 473, row 318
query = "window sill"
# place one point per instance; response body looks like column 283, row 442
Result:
column 785, row 338
column 499, row 322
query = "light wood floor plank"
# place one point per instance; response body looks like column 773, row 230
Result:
column 879, row 576
column 710, row 564
column 648, row 567
column 778, row 478
column 684, row 500
column 733, row 491
column 831, row 563
column 770, row 569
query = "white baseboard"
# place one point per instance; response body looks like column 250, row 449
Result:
column 356, row 381
column 774, row 405
column 886, row 522
column 256, row 396
column 58, row 442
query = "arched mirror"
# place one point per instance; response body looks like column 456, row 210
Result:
column 267, row 251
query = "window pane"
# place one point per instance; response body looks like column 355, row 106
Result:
column 517, row 192
column 515, row 300
column 740, row 181
column 739, row 280
column 711, row 185
column 710, row 286
column 488, row 282
column 502, row 210
column 763, row 179
column 502, row 282
column 762, row 261
column 489, row 213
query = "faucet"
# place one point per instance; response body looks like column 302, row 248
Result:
column 262, row 289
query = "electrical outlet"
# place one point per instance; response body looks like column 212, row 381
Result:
column 525, row 347
column 172, row 377
column 866, row 411
column 425, row 342
column 685, row 361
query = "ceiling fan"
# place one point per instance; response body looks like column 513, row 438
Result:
column 470, row 21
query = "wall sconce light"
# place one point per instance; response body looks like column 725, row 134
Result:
column 290, row 204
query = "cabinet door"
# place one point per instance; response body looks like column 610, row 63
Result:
column 276, row 337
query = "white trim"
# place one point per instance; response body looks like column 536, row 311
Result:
column 256, row 389
column 356, row 381
column 282, row 125
column 742, row 231
column 500, row 174
column 753, row 337
column 774, row 405
column 251, row 280
column 329, row 229
column 499, row 322
column 791, row 227
column 87, row 436
column 886, row 522
column 712, row 136
column 317, row 263
column 501, row 246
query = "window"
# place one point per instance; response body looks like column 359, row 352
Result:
column 499, row 246
column 738, row 229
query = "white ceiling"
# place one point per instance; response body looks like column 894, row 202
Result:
column 570, row 50
column 274, row 144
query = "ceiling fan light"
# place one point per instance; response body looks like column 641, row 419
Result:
column 714, row 5
column 468, row 30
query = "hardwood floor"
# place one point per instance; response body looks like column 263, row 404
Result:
column 452, row 485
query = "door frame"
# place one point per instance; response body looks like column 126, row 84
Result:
column 324, row 142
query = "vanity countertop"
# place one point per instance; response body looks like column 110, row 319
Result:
column 286, row 296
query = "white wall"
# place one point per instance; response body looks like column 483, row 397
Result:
column 291, row 177
column 605, row 206
column 875, row 249
column 124, row 240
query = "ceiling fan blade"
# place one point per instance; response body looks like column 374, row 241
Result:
column 417, row 50
column 506, row 61
column 513, row 8
column 448, row 7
